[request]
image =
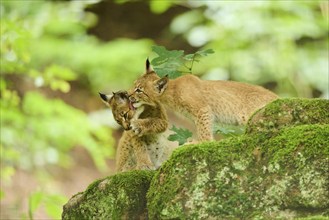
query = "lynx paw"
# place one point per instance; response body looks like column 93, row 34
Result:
column 136, row 129
column 190, row 141
column 145, row 167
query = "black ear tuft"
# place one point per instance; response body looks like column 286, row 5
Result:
column 147, row 63
column 104, row 97
column 148, row 67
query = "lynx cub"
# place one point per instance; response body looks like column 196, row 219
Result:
column 203, row 101
column 143, row 144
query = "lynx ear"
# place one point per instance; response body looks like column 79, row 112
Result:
column 148, row 67
column 162, row 84
column 106, row 98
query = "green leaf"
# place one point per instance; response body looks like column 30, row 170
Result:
column 229, row 130
column 167, row 62
column 159, row 61
column 163, row 52
column 205, row 53
column 181, row 135
column 35, row 200
column 171, row 72
column 173, row 63
column 54, row 205
column 189, row 57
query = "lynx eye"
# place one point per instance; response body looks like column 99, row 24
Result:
column 138, row 90
column 125, row 115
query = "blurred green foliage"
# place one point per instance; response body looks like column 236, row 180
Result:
column 53, row 204
column 285, row 42
column 33, row 125
column 45, row 45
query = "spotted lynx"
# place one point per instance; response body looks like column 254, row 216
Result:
column 204, row 102
column 144, row 144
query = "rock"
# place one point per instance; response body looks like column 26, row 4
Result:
column 121, row 196
column 278, row 169
column 288, row 112
column 287, row 176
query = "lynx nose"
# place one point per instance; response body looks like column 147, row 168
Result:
column 127, row 127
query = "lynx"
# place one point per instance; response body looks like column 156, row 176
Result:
column 144, row 144
column 203, row 101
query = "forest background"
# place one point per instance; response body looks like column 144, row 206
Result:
column 56, row 134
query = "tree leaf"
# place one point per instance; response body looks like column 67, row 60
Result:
column 205, row 53
column 172, row 73
column 229, row 130
column 54, row 205
column 181, row 135
column 159, row 61
column 163, row 52
column 35, row 200
column 173, row 62
column 189, row 57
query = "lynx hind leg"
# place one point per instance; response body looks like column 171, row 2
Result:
column 203, row 124
column 166, row 148
column 125, row 159
column 143, row 160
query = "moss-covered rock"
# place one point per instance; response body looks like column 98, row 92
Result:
column 121, row 196
column 278, row 169
column 246, row 177
column 289, row 112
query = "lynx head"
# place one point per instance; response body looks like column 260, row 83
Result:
column 148, row 87
column 122, row 109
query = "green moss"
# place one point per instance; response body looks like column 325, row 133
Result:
column 317, row 217
column 193, row 172
column 121, row 196
column 309, row 141
column 245, row 177
column 289, row 112
column 278, row 169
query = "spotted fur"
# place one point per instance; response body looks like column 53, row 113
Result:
column 203, row 101
column 144, row 143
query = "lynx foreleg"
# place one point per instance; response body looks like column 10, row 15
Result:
column 204, row 123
